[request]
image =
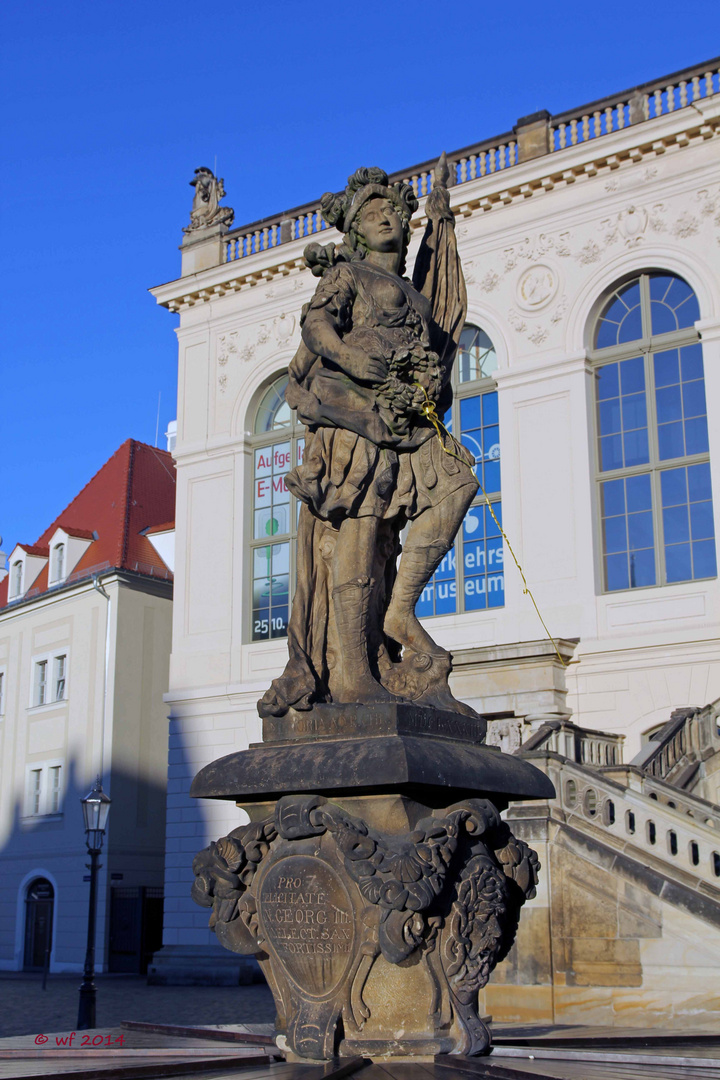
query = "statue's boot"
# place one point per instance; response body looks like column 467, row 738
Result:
column 351, row 602
column 422, row 675
column 417, row 566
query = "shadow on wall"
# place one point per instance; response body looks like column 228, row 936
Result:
column 44, row 866
column 191, row 954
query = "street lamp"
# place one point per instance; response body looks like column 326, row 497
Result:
column 96, row 807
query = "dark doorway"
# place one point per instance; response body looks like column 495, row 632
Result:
column 136, row 916
column 39, row 903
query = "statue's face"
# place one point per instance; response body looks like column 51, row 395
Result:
column 381, row 226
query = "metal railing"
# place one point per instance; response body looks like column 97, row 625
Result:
column 500, row 153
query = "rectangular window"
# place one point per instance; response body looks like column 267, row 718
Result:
column 60, row 664
column 655, row 498
column 41, row 682
column 35, row 790
column 54, row 789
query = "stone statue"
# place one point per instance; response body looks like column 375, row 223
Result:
column 376, row 882
column 371, row 380
column 206, row 210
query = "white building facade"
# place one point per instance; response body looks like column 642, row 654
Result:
column 588, row 386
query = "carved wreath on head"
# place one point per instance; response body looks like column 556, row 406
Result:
column 407, row 879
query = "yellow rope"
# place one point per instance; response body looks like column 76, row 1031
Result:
column 430, row 412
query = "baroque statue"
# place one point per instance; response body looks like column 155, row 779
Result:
column 375, row 883
column 371, row 380
column 206, row 209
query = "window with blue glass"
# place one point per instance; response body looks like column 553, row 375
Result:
column 653, row 467
column 471, row 577
column 278, row 445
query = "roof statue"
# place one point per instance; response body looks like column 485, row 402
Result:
column 370, row 380
column 206, row 209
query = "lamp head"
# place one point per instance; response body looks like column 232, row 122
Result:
column 96, row 807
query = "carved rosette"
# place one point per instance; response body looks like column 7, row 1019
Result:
column 326, row 903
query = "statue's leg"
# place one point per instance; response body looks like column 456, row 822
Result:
column 429, row 539
column 352, row 590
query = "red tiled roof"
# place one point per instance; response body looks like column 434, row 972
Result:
column 167, row 526
column 35, row 549
column 81, row 534
column 133, row 491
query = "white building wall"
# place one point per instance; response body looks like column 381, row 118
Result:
column 114, row 727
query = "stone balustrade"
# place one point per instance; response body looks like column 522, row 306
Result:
column 532, row 137
column 645, row 102
column 641, row 816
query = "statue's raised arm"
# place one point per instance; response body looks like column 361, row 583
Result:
column 370, row 376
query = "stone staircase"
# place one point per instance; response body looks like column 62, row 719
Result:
column 626, row 925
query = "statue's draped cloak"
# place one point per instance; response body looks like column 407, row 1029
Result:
column 378, row 465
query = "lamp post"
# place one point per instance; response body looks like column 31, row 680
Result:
column 96, row 807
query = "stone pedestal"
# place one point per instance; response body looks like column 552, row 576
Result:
column 376, row 882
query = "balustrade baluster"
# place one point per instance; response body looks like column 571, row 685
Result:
column 597, row 126
column 573, row 132
column 414, row 182
column 265, row 238
column 513, row 153
column 423, row 183
column 256, row 238
column 621, row 114
column 463, row 170
column 274, row 234
column 658, row 102
column 563, row 136
column 708, row 83
column 491, row 162
column 683, row 94
column 608, row 119
column 473, row 166
column 585, row 128
column 483, row 163
column 670, row 90
column 501, row 156
column 696, row 87
column 310, row 223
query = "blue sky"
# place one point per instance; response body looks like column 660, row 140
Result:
column 109, row 107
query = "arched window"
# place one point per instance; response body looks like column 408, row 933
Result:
column 652, row 462
column 16, row 580
column 58, row 562
column 278, row 445
column 471, row 576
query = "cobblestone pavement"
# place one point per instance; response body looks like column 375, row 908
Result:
column 27, row 1009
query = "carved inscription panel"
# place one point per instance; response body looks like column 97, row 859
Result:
column 308, row 919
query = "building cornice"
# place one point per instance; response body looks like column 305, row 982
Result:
column 70, row 591
column 686, row 127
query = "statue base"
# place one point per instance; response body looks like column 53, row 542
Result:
column 376, row 882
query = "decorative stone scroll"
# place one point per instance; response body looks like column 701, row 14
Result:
column 331, row 907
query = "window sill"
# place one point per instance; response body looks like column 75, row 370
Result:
column 47, row 706
column 30, row 819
